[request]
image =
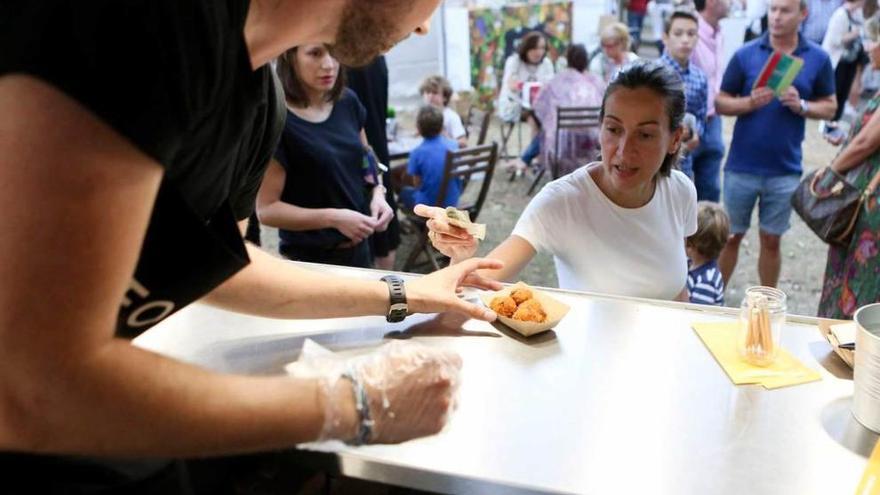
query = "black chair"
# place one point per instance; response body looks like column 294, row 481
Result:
column 477, row 124
column 470, row 166
column 567, row 119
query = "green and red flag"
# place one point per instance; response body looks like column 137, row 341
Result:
column 779, row 72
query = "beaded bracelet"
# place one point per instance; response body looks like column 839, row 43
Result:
column 362, row 405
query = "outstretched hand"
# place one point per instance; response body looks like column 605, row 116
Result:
column 436, row 292
column 454, row 242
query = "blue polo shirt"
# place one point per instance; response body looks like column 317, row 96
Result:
column 428, row 162
column 768, row 141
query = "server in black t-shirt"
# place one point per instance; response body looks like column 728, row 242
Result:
column 370, row 84
column 318, row 192
column 133, row 137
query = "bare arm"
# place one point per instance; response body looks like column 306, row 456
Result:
column 822, row 108
column 274, row 212
column 66, row 384
column 515, row 252
column 860, row 147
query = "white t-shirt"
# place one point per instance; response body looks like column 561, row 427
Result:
column 599, row 246
column 452, row 126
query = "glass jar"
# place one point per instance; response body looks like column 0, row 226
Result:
column 762, row 316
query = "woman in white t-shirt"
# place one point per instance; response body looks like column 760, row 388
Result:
column 616, row 226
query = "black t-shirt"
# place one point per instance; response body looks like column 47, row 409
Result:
column 324, row 163
column 174, row 78
column 370, row 84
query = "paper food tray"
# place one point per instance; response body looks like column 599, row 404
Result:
column 556, row 310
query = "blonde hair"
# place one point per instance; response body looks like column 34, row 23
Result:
column 713, row 228
column 617, row 31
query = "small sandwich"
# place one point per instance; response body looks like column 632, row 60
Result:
column 461, row 218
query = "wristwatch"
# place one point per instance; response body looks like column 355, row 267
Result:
column 397, row 309
column 805, row 107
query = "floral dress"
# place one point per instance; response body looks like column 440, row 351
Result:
column 852, row 274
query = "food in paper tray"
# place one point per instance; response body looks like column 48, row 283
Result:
column 461, row 218
column 519, row 305
column 527, row 309
column 524, row 309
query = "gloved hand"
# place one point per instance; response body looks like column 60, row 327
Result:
column 403, row 390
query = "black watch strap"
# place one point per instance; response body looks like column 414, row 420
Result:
column 397, row 309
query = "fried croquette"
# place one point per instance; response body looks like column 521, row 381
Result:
column 503, row 305
column 521, row 295
column 530, row 310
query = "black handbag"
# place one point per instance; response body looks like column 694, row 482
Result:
column 830, row 205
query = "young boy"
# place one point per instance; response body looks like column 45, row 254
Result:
column 437, row 91
column 427, row 163
column 704, row 283
column 680, row 39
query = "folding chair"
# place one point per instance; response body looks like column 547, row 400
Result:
column 567, row 119
column 470, row 166
column 506, row 133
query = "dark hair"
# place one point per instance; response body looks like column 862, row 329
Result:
column 700, row 5
column 285, row 67
column 664, row 81
column 529, row 42
column 713, row 228
column 429, row 121
column 437, row 84
column 577, row 57
column 680, row 14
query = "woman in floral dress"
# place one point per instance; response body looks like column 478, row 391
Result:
column 852, row 273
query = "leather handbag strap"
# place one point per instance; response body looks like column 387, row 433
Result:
column 875, row 181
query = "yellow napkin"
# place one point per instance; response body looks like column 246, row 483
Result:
column 870, row 483
column 786, row 370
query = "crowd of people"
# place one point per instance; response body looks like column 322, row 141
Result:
column 172, row 135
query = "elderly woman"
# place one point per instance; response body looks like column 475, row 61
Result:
column 615, row 53
column 617, row 226
column 572, row 87
column 851, row 271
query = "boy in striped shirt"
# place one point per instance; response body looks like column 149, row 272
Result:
column 704, row 283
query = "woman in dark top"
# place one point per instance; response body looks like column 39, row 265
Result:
column 317, row 191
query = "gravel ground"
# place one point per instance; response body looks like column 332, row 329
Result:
column 803, row 254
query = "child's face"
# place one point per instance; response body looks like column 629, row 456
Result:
column 681, row 38
column 434, row 98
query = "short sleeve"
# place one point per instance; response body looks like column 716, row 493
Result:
column 689, row 195
column 536, row 222
column 824, row 84
column 413, row 166
column 456, row 128
column 733, row 81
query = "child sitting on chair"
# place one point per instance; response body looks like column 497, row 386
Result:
column 427, row 163
column 437, row 91
column 705, row 284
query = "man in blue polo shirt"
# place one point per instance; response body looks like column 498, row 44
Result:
column 764, row 161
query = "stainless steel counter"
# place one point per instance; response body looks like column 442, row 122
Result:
column 622, row 397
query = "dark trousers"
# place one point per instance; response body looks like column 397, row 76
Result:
column 844, row 75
